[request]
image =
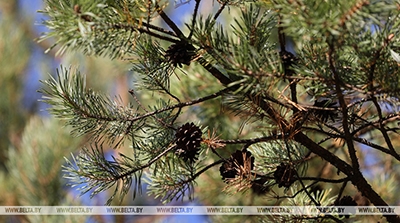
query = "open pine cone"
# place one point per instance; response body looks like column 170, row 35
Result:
column 284, row 175
column 238, row 160
column 346, row 201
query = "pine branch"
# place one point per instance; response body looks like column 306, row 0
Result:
column 251, row 141
column 326, row 180
column 196, row 9
column 356, row 177
column 315, row 179
column 288, row 60
column 159, row 29
column 221, row 8
column 91, row 169
column 378, row 147
column 368, row 126
column 93, row 31
column 94, row 114
column 170, row 23
column 148, row 164
column 215, row 72
column 299, row 137
column 382, row 129
column 357, row 139
column 87, row 111
column 175, row 184
column 162, row 122
column 181, row 105
column 343, row 105
column 124, row 26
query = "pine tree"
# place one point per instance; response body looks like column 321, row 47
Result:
column 284, row 99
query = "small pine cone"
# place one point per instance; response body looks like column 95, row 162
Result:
column 188, row 139
column 180, row 53
column 324, row 115
column 284, row 175
column 228, row 170
column 238, row 160
column 288, row 59
column 258, row 187
column 346, row 201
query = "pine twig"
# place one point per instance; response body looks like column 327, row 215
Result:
column 140, row 104
column 251, row 141
column 343, row 105
column 196, row 9
column 220, row 10
column 142, row 30
column 148, row 164
column 181, row 105
column 193, row 177
column 170, row 23
column 372, row 125
column 159, row 29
